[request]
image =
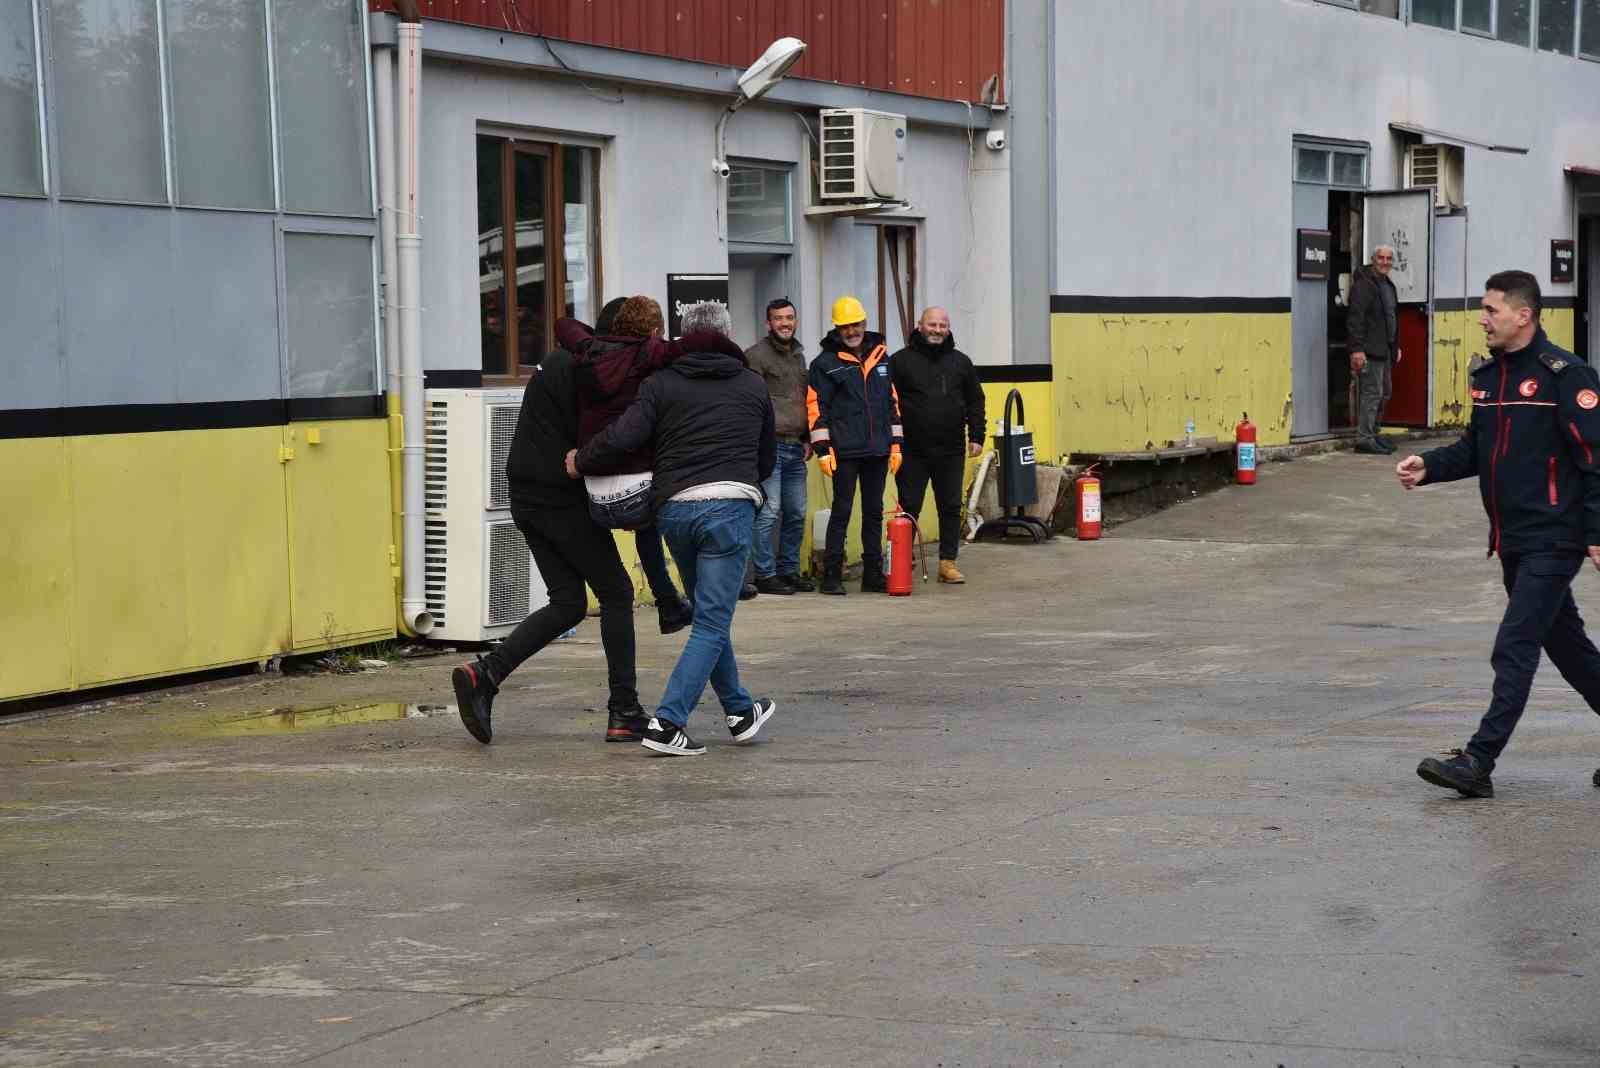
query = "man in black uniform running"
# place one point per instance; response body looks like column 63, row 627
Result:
column 1532, row 441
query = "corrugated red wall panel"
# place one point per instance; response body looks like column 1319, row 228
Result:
column 946, row 49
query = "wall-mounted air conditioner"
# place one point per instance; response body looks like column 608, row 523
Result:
column 863, row 155
column 480, row 578
column 1439, row 166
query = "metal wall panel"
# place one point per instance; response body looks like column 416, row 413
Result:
column 944, row 49
column 227, row 323
column 121, row 344
column 29, row 305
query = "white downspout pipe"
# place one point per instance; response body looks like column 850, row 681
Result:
column 408, row 256
column 383, row 84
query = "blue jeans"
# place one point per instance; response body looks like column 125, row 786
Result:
column 710, row 540
column 786, row 494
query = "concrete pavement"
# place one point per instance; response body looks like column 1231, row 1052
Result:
column 1146, row 801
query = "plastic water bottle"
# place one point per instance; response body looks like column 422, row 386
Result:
column 1188, row 434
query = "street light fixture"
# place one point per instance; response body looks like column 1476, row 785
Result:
column 759, row 77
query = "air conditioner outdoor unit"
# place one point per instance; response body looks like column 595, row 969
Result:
column 480, row 579
column 863, row 154
column 1439, row 166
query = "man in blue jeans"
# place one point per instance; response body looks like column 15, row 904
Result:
column 780, row 360
column 710, row 419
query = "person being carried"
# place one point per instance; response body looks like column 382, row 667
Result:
column 855, row 431
column 611, row 362
column 711, row 422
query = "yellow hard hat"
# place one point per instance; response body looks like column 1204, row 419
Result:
column 848, row 310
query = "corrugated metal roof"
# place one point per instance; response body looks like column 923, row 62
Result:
column 944, row 49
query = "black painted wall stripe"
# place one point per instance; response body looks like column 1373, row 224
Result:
column 1453, row 304
column 1015, row 372
column 1091, row 305
column 154, row 418
column 452, row 379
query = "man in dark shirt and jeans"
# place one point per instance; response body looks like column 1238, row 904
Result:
column 780, row 360
column 711, row 420
column 1533, row 443
column 1373, row 329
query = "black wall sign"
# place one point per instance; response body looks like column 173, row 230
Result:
column 686, row 289
column 1312, row 255
column 1562, row 259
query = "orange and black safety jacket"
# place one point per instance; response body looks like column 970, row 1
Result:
column 851, row 404
column 1533, row 441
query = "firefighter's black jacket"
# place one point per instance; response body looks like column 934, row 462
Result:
column 1533, row 441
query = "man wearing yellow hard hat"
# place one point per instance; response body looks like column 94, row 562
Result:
column 854, row 416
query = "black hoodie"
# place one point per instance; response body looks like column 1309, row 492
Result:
column 941, row 402
column 710, row 417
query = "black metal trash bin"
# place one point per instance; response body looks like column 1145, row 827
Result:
column 1019, row 481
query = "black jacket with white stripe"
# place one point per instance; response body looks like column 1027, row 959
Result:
column 1533, row 441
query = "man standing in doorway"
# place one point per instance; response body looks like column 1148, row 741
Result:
column 1373, row 330
column 941, row 404
column 855, row 430
column 711, row 421
column 780, row 360
column 1533, row 442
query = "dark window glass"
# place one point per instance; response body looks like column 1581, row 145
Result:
column 491, row 255
column 1477, row 15
column 1387, row 8
column 1440, row 13
column 1589, row 29
column 20, row 169
column 1515, row 21
column 1557, row 25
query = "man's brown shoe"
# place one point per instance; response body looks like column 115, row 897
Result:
column 948, row 572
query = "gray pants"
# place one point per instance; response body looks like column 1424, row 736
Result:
column 1374, row 387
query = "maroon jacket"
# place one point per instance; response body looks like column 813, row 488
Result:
column 608, row 373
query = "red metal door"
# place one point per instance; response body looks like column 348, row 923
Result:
column 1409, row 405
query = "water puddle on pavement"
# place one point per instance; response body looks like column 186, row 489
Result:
column 294, row 720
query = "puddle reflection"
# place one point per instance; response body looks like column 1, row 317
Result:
column 291, row 720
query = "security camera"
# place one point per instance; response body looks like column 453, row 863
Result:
column 995, row 139
column 720, row 168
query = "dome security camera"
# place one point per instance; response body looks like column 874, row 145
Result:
column 995, row 140
column 720, row 168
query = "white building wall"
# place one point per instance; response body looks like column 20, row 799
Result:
column 659, row 201
column 1173, row 147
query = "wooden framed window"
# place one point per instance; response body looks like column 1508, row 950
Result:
column 546, row 196
column 897, row 277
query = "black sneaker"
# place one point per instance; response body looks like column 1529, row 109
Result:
column 1386, row 446
column 475, row 698
column 1370, row 448
column 1461, row 773
column 668, row 740
column 798, row 584
column 674, row 617
column 626, row 726
column 774, row 584
column 748, row 592
column 744, row 726
column 873, row 579
column 1596, row 779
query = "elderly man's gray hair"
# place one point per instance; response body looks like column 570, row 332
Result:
column 707, row 315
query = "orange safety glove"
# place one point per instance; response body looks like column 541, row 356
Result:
column 828, row 462
column 894, row 459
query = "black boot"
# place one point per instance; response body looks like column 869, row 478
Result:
column 627, row 725
column 673, row 617
column 798, row 584
column 475, row 692
column 833, row 579
column 873, row 579
column 1461, row 773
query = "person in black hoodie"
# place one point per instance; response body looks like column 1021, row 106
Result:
column 569, row 548
column 1532, row 442
column 855, row 432
column 710, row 418
column 941, row 408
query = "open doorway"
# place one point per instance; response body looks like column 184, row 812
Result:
column 1586, row 316
column 754, row 279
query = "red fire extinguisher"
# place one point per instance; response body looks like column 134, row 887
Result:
column 903, row 539
column 1086, row 494
column 1245, row 451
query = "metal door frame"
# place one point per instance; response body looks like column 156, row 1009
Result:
column 1433, row 269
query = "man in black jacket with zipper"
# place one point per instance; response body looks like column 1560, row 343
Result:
column 941, row 409
column 1373, row 332
column 570, row 549
column 1532, row 441
column 710, row 419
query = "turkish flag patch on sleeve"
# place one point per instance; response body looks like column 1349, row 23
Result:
column 1587, row 399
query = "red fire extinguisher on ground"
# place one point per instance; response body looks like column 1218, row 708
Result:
column 1086, row 495
column 1245, row 451
column 903, row 541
